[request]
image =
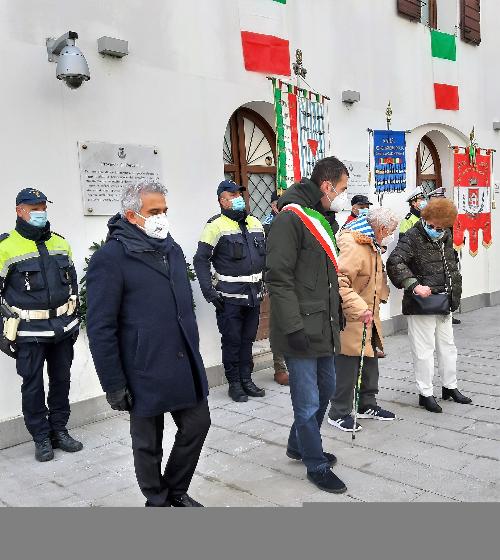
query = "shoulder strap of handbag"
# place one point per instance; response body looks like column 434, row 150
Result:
column 318, row 227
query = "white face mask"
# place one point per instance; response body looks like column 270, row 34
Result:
column 339, row 202
column 156, row 226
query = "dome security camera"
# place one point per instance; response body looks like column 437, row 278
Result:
column 72, row 67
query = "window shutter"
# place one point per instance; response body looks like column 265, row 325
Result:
column 470, row 21
column 412, row 9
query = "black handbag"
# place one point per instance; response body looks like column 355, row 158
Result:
column 435, row 304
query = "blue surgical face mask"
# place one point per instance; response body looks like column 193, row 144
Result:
column 362, row 212
column 38, row 218
column 422, row 204
column 238, row 204
column 432, row 233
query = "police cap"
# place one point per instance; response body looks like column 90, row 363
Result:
column 30, row 196
column 229, row 186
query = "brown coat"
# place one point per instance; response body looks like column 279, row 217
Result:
column 362, row 286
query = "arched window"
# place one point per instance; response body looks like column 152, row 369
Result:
column 250, row 158
column 428, row 166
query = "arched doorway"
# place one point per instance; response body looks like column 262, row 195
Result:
column 250, row 158
column 428, row 166
column 249, row 153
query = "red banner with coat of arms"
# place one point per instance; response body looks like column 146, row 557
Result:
column 472, row 195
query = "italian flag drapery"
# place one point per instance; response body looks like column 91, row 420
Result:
column 444, row 63
column 472, row 194
column 301, row 132
column 264, row 37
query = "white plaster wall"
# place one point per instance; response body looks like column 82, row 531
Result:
column 183, row 78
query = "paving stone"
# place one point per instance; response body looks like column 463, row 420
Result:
column 429, row 497
column 485, row 430
column 421, row 457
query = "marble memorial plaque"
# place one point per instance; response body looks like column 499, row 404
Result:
column 106, row 168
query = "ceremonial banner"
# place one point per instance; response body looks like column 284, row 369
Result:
column 389, row 150
column 264, row 40
column 472, row 195
column 301, row 132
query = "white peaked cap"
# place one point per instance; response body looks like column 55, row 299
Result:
column 415, row 193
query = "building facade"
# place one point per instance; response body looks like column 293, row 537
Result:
column 183, row 88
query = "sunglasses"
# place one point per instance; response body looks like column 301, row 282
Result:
column 438, row 229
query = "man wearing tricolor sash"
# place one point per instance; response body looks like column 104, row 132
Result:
column 306, row 317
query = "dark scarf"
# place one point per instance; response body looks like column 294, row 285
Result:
column 236, row 215
column 33, row 233
column 415, row 211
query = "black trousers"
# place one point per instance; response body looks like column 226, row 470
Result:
column 147, row 445
column 41, row 418
column 238, row 326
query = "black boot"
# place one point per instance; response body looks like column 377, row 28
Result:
column 456, row 395
column 44, row 451
column 62, row 440
column 236, row 392
column 429, row 403
column 251, row 389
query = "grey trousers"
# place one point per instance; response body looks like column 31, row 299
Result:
column 347, row 372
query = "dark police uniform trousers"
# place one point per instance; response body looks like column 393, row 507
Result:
column 40, row 419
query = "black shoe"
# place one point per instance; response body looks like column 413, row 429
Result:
column 62, row 440
column 327, row 481
column 251, row 389
column 455, row 321
column 332, row 460
column 456, row 395
column 184, row 501
column 429, row 403
column 236, row 392
column 44, row 451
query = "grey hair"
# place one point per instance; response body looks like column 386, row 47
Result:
column 131, row 195
column 382, row 217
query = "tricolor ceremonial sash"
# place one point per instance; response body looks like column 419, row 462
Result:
column 319, row 227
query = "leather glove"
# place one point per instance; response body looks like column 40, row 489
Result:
column 7, row 346
column 120, row 400
column 218, row 303
column 298, row 340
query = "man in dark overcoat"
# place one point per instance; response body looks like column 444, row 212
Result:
column 144, row 341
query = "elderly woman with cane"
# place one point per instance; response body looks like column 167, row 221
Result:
column 425, row 266
column 363, row 286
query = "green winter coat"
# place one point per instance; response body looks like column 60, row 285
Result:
column 301, row 280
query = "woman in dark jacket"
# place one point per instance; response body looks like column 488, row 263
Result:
column 424, row 265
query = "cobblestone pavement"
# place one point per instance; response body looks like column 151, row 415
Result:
column 420, row 457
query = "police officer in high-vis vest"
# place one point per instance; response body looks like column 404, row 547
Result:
column 417, row 201
column 38, row 293
column 233, row 242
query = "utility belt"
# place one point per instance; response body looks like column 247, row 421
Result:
column 14, row 315
column 252, row 278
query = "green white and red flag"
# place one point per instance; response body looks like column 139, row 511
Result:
column 444, row 62
column 264, row 39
